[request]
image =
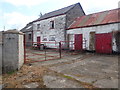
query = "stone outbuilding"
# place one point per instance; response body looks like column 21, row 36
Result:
column 51, row 27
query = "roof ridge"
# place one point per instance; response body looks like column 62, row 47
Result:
column 53, row 13
column 61, row 8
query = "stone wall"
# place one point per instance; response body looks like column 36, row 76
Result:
column 46, row 32
column 75, row 12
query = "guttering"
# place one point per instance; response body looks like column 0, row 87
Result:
column 91, row 25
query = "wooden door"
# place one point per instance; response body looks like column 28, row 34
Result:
column 92, row 41
column 104, row 43
column 78, row 42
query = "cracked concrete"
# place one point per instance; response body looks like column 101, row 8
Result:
column 99, row 70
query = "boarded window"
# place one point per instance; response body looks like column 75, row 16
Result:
column 52, row 38
column 52, row 24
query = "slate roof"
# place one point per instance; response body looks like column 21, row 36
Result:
column 1, row 37
column 27, row 28
column 57, row 12
column 100, row 18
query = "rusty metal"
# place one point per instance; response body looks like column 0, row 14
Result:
column 95, row 19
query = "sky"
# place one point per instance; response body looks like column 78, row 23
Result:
column 15, row 14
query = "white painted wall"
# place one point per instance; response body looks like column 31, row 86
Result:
column 86, row 35
column 98, row 29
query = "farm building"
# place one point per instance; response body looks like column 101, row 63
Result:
column 98, row 32
column 51, row 27
column 28, row 30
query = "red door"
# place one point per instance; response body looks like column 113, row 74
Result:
column 38, row 41
column 104, row 43
column 78, row 42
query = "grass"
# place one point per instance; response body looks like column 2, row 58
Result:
column 68, row 77
column 11, row 72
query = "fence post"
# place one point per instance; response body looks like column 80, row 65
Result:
column 45, row 51
column 60, row 49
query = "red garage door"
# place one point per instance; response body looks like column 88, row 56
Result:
column 78, row 42
column 104, row 43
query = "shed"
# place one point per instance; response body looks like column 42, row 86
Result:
column 98, row 31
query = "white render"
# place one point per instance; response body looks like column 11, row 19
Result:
column 97, row 29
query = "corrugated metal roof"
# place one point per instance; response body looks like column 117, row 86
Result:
column 100, row 18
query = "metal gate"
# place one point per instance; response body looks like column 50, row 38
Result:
column 42, row 51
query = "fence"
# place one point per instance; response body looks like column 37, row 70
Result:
column 45, row 51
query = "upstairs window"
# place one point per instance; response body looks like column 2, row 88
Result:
column 52, row 25
column 38, row 26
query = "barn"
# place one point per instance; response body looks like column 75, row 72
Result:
column 51, row 27
column 97, row 32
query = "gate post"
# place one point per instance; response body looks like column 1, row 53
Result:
column 60, row 49
column 13, row 50
column 24, row 49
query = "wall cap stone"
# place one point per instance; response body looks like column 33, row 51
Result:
column 14, row 31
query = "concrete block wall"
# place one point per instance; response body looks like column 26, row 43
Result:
column 13, row 51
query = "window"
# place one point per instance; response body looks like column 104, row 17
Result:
column 44, row 38
column 52, row 38
column 38, row 26
column 29, row 36
column 52, row 24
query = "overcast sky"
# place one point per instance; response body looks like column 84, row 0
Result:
column 15, row 14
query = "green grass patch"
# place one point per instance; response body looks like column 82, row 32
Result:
column 68, row 77
column 11, row 72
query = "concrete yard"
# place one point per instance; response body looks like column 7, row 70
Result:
column 74, row 70
column 96, row 70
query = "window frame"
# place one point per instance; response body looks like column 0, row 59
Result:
column 38, row 26
column 52, row 24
